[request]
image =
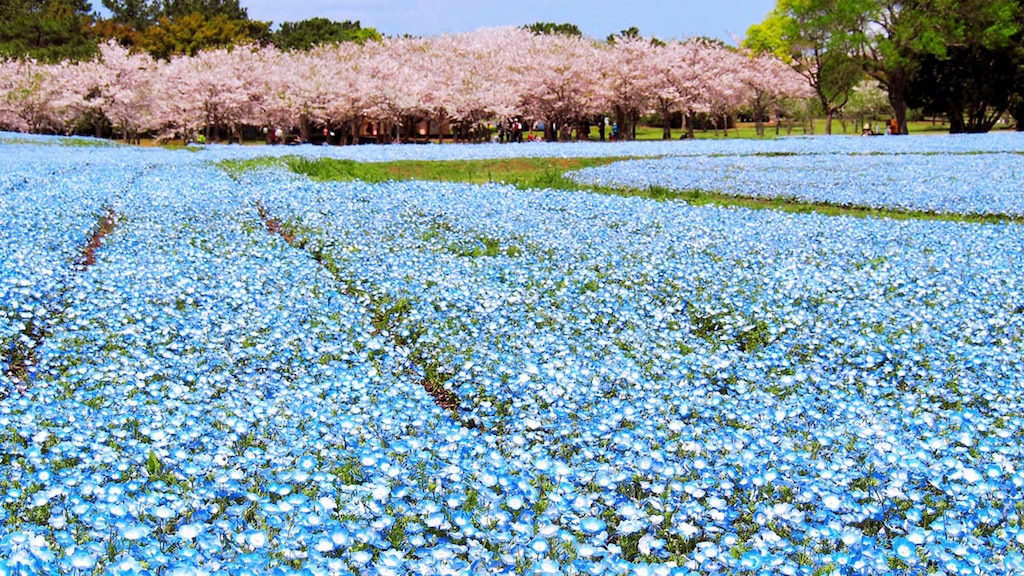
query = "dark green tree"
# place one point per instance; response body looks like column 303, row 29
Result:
column 137, row 15
column 972, row 85
column 629, row 33
column 47, row 30
column 306, row 34
column 1016, row 50
column 210, row 9
column 565, row 29
column 195, row 32
column 168, row 27
column 897, row 37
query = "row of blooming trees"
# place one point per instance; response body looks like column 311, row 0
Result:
column 457, row 81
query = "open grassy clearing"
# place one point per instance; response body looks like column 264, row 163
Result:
column 523, row 172
column 549, row 173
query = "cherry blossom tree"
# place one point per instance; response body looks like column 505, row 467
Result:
column 475, row 76
column 268, row 85
column 464, row 81
column 343, row 93
column 395, row 84
column 210, row 91
column 26, row 90
column 723, row 91
column 563, row 81
column 307, row 90
column 683, row 78
column 632, row 80
column 768, row 79
column 123, row 90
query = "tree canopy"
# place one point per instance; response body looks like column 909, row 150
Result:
column 564, row 29
column 306, row 34
column 168, row 27
column 49, row 30
column 134, row 14
column 230, row 9
column 974, row 77
column 818, row 39
column 957, row 57
column 194, row 32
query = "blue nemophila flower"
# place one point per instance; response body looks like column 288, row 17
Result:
column 592, row 525
column 904, row 549
column 635, row 382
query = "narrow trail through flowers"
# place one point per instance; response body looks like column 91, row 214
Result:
column 386, row 317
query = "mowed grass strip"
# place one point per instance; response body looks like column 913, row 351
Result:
column 549, row 173
column 523, row 172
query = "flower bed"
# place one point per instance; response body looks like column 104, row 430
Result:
column 938, row 183
column 247, row 379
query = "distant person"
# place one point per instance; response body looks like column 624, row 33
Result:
column 894, row 126
column 867, row 131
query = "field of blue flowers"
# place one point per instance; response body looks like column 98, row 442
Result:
column 255, row 373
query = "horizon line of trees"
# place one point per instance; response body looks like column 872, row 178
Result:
column 58, row 30
column 464, row 82
column 962, row 60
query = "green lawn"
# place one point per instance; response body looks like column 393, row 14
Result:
column 747, row 130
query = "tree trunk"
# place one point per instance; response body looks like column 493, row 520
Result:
column 666, row 123
column 759, row 111
column 304, row 128
column 620, row 119
column 956, row 118
column 583, row 130
column 1017, row 111
column 829, row 112
column 896, row 80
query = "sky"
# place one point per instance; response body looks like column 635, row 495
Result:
column 727, row 20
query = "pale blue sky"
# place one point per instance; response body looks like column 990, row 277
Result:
column 666, row 19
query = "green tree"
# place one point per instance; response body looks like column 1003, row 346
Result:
column 769, row 36
column 630, row 33
column 195, row 32
column 47, row 30
column 306, row 34
column 817, row 38
column 897, row 37
column 210, row 9
column 168, row 27
column 137, row 15
column 867, row 104
column 971, row 86
column 973, row 83
column 1016, row 105
column 549, row 28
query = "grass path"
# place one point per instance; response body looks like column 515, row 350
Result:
column 548, row 173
